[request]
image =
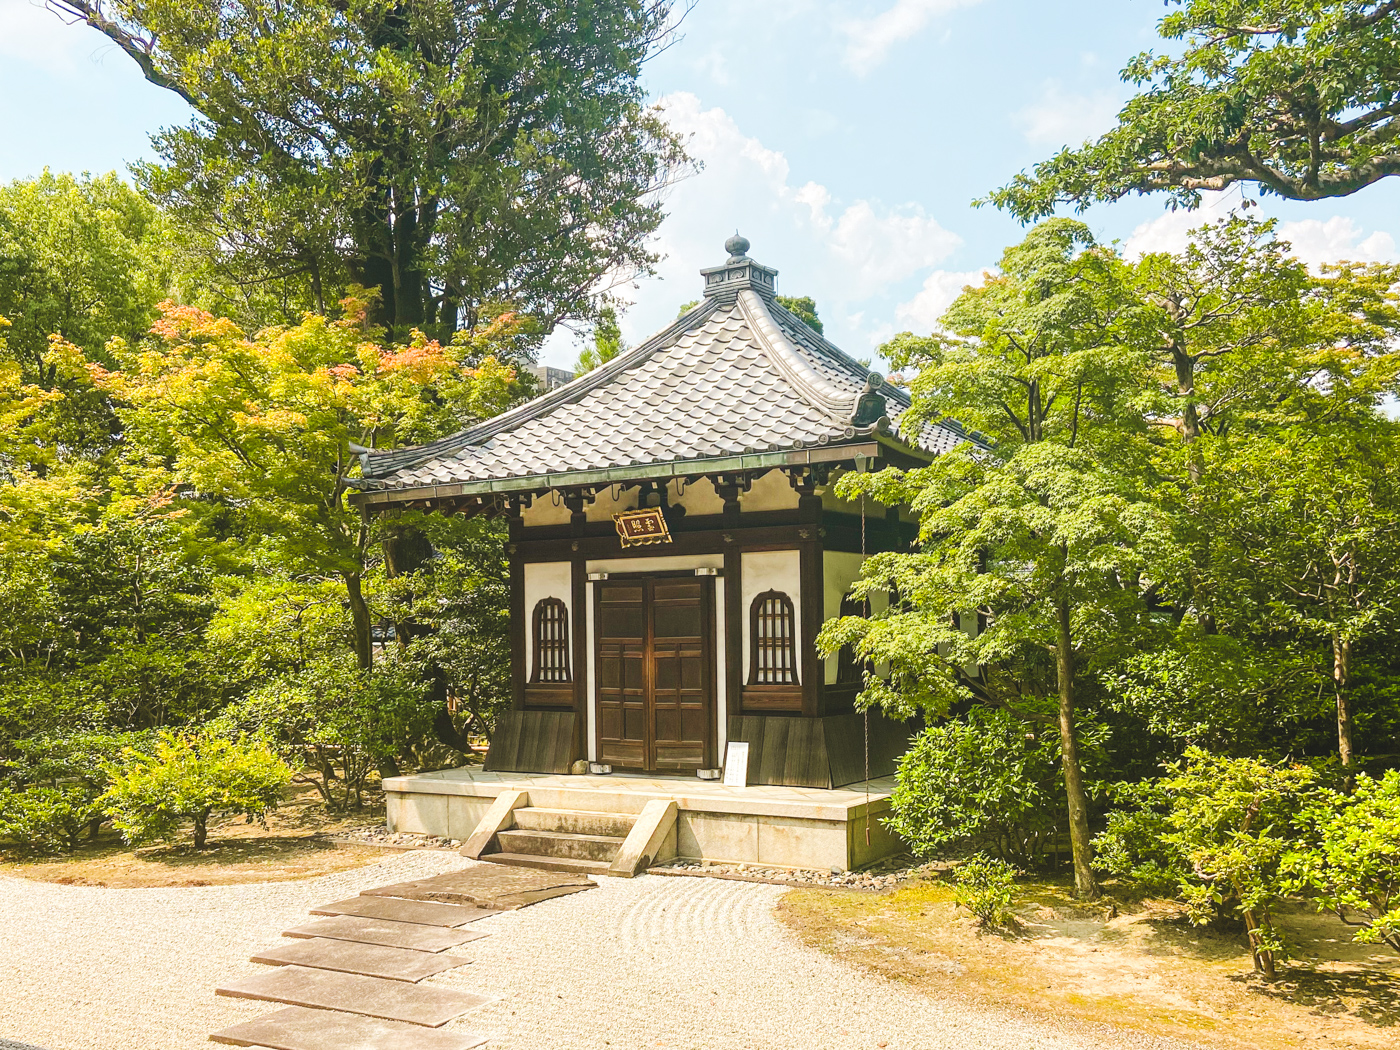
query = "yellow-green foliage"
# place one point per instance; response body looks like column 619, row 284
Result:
column 191, row 778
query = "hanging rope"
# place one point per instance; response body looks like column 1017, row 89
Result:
column 867, row 709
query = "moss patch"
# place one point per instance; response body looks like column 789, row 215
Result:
column 295, row 844
column 1131, row 964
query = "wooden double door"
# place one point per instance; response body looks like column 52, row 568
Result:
column 655, row 669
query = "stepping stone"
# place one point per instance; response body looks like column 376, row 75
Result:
column 352, row 993
column 370, row 960
column 488, row 885
column 298, row 1028
column 424, row 913
column 382, row 931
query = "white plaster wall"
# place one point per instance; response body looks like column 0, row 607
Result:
column 604, row 506
column 770, row 571
column 546, row 579
column 772, row 491
column 592, row 674
column 542, row 511
column 839, row 570
column 664, row 563
column 699, row 498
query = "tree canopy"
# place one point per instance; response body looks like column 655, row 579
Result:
column 1298, row 98
column 451, row 154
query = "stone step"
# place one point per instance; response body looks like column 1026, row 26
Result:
column 575, row 821
column 299, row 1028
column 425, row 913
column 560, row 844
column 370, row 960
column 371, row 996
column 534, row 860
column 384, row 931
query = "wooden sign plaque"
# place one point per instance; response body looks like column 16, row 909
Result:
column 638, row 528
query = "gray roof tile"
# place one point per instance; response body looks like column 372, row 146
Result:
column 737, row 373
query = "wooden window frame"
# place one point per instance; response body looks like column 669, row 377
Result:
column 561, row 645
column 756, row 645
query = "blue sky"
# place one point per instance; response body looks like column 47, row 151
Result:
column 846, row 140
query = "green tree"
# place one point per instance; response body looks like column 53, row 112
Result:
column 804, row 309
column 267, row 423
column 1042, row 539
column 1349, row 859
column 191, row 777
column 1296, row 97
column 607, row 342
column 451, row 155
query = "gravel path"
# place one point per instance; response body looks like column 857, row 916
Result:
column 91, row 968
column 648, row 962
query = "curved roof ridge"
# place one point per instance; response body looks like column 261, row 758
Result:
column 382, row 464
column 789, row 362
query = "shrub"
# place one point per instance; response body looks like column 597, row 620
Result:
column 52, row 787
column 1351, row 861
column 1134, row 843
column 1224, row 827
column 981, row 781
column 986, row 887
column 191, row 778
column 48, row 819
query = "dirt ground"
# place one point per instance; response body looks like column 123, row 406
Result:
column 295, row 844
column 1146, row 968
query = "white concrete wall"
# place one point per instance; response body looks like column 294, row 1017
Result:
column 770, row 571
column 546, row 579
column 772, row 491
column 604, row 506
column 699, row 498
column 839, row 570
column 544, row 511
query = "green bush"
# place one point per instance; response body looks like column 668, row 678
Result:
column 48, row 819
column 51, row 788
column 191, row 778
column 1134, row 843
column 1350, row 863
column 1222, row 827
column 986, row 887
column 981, row 781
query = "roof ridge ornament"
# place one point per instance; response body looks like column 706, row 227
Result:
column 739, row 272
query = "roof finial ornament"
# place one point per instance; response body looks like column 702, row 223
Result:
column 737, row 247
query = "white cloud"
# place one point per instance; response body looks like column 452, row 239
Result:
column 32, row 34
column 841, row 253
column 1170, row 231
column 1314, row 241
column 1061, row 118
column 1337, row 239
column 869, row 39
column 921, row 313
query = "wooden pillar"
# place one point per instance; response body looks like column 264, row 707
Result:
column 518, row 619
column 809, row 517
column 734, row 611
column 578, row 581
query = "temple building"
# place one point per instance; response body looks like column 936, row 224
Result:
column 675, row 547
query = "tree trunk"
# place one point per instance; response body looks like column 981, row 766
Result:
column 1263, row 958
column 201, row 829
column 359, row 616
column 1085, row 884
column 1341, row 672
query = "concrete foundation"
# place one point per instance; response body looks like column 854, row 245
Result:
column 765, row 825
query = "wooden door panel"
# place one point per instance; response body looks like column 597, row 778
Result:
column 655, row 688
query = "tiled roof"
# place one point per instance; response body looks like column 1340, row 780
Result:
column 738, row 374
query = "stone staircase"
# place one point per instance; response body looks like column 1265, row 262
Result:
column 562, row 840
column 584, row 842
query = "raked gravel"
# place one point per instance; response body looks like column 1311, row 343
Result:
column 681, row 963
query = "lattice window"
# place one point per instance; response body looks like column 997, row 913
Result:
column 551, row 641
column 773, row 628
column 850, row 670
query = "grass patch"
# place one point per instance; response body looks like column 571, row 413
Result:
column 295, row 844
column 1128, row 962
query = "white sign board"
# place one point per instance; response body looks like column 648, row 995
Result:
column 736, row 764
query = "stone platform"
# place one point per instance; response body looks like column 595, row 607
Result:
column 773, row 826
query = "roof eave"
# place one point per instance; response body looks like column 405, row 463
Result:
column 375, row 498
